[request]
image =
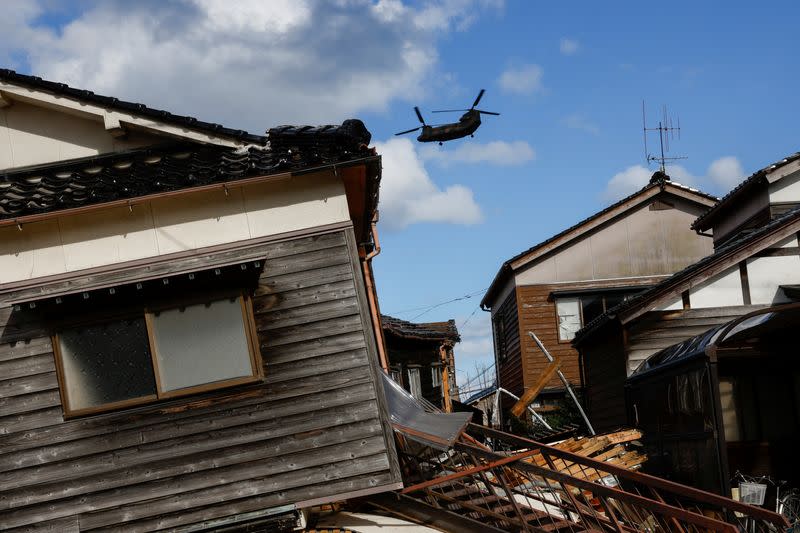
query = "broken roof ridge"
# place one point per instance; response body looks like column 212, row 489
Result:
column 430, row 330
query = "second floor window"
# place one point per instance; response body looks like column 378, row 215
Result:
column 156, row 354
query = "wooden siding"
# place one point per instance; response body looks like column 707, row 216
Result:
column 510, row 365
column 537, row 312
column 314, row 428
column 603, row 363
column 660, row 329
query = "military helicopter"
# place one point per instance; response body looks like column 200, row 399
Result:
column 466, row 125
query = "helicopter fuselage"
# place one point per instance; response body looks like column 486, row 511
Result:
column 466, row 125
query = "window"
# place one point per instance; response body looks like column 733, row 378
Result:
column 415, row 387
column 575, row 312
column 436, row 376
column 160, row 353
column 568, row 311
column 498, row 326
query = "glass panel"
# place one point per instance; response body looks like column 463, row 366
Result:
column 415, row 388
column 199, row 344
column 436, row 376
column 106, row 363
column 569, row 318
column 592, row 307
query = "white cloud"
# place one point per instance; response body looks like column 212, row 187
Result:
column 495, row 152
column 624, row 183
column 569, row 47
column 249, row 63
column 581, row 123
column 726, row 172
column 722, row 175
column 526, row 79
column 409, row 196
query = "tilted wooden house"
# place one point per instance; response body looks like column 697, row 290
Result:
column 421, row 358
column 186, row 333
column 712, row 402
column 557, row 286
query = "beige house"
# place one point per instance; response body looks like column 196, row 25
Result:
column 557, row 286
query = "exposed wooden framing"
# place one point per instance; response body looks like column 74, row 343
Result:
column 686, row 300
column 533, row 391
column 745, row 282
column 445, row 382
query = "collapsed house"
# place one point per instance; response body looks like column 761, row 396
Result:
column 702, row 362
column 421, row 358
column 556, row 287
column 186, row 338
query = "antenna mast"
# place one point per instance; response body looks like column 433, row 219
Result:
column 666, row 132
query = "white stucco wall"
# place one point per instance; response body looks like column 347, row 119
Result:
column 169, row 225
column 786, row 189
column 722, row 290
column 32, row 135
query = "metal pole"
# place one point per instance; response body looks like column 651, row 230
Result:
column 565, row 382
column 534, row 413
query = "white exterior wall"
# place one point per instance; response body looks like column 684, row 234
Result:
column 767, row 274
column 786, row 189
column 722, row 290
column 169, row 225
column 644, row 242
column 31, row 135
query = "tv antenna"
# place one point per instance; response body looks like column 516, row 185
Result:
column 666, row 132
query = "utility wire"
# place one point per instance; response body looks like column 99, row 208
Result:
column 426, row 308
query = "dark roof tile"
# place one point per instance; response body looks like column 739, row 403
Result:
column 424, row 330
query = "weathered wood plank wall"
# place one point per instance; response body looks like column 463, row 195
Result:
column 315, row 427
column 510, row 364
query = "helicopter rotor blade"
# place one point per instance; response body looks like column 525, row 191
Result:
column 478, row 99
column 450, row 111
column 419, row 116
column 487, row 112
column 409, row 131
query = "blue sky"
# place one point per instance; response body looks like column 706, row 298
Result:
column 568, row 78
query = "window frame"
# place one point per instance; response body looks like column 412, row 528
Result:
column 146, row 312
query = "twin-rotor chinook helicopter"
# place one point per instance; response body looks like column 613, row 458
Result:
column 466, row 125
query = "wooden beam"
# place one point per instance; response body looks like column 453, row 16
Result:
column 113, row 126
column 4, row 101
column 532, row 392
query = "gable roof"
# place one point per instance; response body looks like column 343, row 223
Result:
column 723, row 258
column 706, row 220
column 35, row 192
column 38, row 88
column 658, row 183
column 421, row 331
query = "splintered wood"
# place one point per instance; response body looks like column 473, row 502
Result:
column 610, row 448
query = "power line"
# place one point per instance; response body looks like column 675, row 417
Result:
column 426, row 308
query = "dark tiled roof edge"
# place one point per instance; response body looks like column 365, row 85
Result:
column 423, row 330
column 702, row 222
column 643, row 297
column 505, row 268
column 133, row 108
column 77, row 183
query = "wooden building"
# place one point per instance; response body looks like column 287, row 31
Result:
column 754, row 266
column 187, row 337
column 421, row 358
column 557, row 286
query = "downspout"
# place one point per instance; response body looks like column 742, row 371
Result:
column 372, row 296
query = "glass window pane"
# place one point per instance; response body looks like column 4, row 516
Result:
column 106, row 363
column 569, row 317
column 415, row 387
column 200, row 344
